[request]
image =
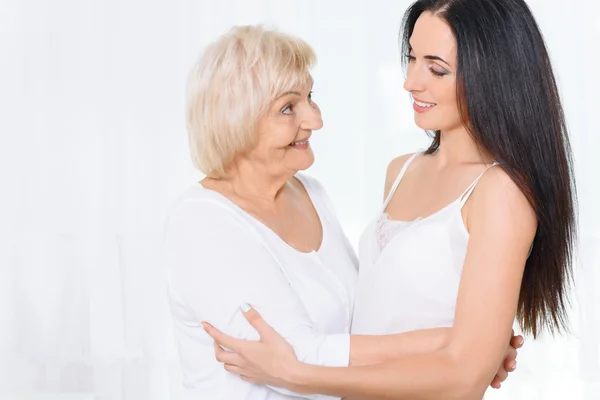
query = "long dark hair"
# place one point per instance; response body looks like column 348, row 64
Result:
column 510, row 104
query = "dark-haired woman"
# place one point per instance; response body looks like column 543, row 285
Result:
column 474, row 231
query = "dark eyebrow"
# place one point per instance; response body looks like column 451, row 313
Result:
column 429, row 57
column 436, row 58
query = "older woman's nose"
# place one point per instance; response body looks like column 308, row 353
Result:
column 312, row 119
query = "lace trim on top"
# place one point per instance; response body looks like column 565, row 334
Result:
column 386, row 228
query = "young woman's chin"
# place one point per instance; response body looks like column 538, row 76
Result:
column 433, row 123
column 425, row 123
column 426, row 126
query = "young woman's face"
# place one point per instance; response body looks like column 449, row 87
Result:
column 431, row 74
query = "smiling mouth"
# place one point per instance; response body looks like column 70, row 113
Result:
column 300, row 143
column 423, row 104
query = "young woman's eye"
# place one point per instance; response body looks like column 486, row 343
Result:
column 438, row 72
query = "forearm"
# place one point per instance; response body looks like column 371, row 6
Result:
column 375, row 349
column 436, row 375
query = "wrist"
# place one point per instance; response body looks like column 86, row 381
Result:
column 297, row 377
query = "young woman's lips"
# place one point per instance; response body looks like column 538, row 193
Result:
column 422, row 106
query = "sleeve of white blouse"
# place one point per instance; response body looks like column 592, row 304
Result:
column 216, row 263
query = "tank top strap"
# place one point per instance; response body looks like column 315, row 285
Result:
column 465, row 196
column 398, row 179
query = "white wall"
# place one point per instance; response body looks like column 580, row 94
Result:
column 93, row 150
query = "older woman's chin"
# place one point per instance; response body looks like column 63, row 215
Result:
column 300, row 159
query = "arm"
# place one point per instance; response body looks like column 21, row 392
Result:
column 217, row 262
column 212, row 281
column 373, row 349
column 502, row 226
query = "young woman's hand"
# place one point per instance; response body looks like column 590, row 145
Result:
column 510, row 360
column 268, row 361
column 272, row 361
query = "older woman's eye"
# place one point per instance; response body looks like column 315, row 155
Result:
column 287, row 109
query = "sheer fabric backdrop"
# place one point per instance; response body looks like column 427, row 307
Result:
column 94, row 151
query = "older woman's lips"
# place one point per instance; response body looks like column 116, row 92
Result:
column 300, row 145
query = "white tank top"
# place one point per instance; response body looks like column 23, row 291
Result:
column 410, row 271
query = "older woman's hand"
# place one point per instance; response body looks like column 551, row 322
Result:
column 268, row 361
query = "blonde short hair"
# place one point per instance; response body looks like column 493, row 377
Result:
column 233, row 84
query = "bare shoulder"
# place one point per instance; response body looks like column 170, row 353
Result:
column 498, row 203
column 393, row 170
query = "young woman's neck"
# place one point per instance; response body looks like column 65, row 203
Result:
column 457, row 147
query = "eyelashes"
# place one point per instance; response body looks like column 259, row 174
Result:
column 435, row 72
column 289, row 108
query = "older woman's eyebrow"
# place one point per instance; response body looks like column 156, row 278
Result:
column 294, row 92
column 289, row 93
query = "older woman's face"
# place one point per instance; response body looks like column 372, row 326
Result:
column 284, row 132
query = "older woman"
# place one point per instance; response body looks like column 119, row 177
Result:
column 256, row 231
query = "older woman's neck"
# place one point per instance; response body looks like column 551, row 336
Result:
column 257, row 182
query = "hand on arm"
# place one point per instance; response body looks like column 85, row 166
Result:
column 502, row 229
column 212, row 282
column 272, row 361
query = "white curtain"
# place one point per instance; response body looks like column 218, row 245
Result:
column 94, row 151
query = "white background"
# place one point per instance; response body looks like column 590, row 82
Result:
column 93, row 151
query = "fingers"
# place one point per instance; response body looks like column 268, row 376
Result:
column 223, row 339
column 256, row 320
column 226, row 357
column 496, row 383
column 510, row 365
column 232, row 362
column 234, row 369
column 238, row 371
column 511, row 354
column 501, row 374
column 517, row 341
